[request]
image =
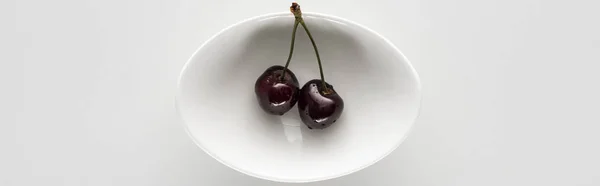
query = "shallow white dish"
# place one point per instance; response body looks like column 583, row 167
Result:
column 216, row 99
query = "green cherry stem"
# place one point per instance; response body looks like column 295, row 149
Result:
column 291, row 49
column 316, row 53
column 295, row 9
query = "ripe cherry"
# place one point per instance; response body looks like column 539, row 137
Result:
column 319, row 107
column 275, row 93
column 277, row 88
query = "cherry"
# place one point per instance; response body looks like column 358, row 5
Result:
column 277, row 89
column 277, row 95
column 319, row 107
column 319, row 104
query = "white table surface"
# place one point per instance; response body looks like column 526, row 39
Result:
column 510, row 91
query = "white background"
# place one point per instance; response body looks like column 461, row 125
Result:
column 510, row 91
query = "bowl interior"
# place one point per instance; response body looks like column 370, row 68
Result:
column 217, row 102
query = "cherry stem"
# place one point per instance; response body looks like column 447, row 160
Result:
column 295, row 9
column 317, row 54
column 291, row 50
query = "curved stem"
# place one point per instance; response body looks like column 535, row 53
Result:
column 291, row 50
column 317, row 54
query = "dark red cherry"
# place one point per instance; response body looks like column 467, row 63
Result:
column 319, row 107
column 274, row 94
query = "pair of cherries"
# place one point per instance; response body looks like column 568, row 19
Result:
column 277, row 89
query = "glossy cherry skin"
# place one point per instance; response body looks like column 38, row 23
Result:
column 319, row 108
column 275, row 95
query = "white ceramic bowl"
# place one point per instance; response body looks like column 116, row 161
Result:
column 216, row 99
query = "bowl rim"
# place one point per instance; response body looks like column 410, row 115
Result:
column 287, row 180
